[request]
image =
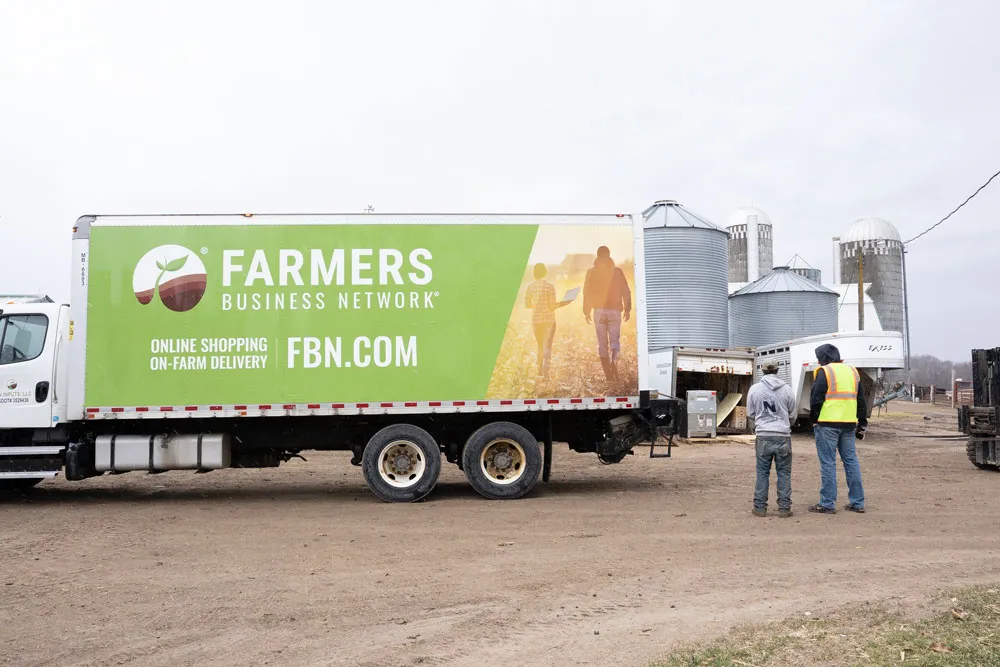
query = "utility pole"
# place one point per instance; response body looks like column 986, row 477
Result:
column 861, row 287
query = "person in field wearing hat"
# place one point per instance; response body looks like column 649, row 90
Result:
column 839, row 416
column 772, row 405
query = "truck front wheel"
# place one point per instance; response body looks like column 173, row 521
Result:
column 502, row 461
column 401, row 463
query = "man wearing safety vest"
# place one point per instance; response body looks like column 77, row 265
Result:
column 837, row 407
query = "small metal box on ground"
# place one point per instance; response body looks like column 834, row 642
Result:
column 739, row 419
column 701, row 414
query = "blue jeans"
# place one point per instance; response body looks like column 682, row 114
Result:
column 778, row 449
column 608, row 323
column 829, row 441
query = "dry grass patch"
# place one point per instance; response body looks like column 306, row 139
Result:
column 962, row 631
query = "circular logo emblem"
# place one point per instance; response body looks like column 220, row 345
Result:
column 173, row 274
column 12, row 384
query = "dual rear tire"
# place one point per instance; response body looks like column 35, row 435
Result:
column 502, row 461
column 402, row 462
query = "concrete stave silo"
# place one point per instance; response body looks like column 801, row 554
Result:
column 781, row 306
column 751, row 244
column 687, row 265
column 881, row 248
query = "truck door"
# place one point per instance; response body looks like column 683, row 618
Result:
column 27, row 342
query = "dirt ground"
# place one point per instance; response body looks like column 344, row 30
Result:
column 607, row 565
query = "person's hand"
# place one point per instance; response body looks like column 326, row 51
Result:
column 628, row 316
column 586, row 316
column 860, row 433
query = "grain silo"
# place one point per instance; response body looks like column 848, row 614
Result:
column 781, row 306
column 686, row 278
column 751, row 241
column 805, row 269
column 878, row 243
column 808, row 273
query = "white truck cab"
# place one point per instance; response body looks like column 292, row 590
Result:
column 34, row 332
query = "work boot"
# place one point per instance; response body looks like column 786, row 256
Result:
column 854, row 508
column 819, row 509
column 759, row 512
column 784, row 514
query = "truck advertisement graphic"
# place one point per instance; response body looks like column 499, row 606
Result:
column 302, row 313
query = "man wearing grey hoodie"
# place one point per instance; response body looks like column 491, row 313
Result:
column 772, row 405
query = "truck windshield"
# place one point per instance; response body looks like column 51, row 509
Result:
column 22, row 337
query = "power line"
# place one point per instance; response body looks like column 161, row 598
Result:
column 981, row 188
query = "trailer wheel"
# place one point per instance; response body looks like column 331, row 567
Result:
column 401, row 463
column 502, row 461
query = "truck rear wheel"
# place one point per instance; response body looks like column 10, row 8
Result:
column 502, row 461
column 401, row 463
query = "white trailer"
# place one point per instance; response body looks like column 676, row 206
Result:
column 677, row 370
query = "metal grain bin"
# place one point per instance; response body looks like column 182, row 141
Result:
column 687, row 270
column 812, row 274
column 781, row 306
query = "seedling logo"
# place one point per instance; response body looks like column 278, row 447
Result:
column 174, row 274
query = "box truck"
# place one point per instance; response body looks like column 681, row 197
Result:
column 202, row 342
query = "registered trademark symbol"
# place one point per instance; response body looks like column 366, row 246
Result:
column 204, row 251
column 437, row 293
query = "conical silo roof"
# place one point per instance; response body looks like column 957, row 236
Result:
column 668, row 213
column 782, row 279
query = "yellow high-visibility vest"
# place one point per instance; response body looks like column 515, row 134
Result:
column 841, row 404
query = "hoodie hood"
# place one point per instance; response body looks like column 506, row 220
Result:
column 827, row 354
column 773, row 381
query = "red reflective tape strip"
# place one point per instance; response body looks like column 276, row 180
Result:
column 410, row 405
column 362, row 405
column 435, row 404
column 263, row 407
column 482, row 402
column 166, row 408
column 338, row 406
column 144, row 409
column 576, row 400
column 458, row 404
column 599, row 400
column 386, row 405
column 530, row 401
column 191, row 408
column 216, row 408
column 290, row 407
column 93, row 411
column 622, row 399
column 506, row 402
column 241, row 408
column 314, row 406
column 553, row 401
column 116, row 410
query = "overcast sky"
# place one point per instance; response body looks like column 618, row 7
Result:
column 819, row 113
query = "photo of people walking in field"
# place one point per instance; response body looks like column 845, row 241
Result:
column 572, row 330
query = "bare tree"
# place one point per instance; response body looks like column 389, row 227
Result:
column 928, row 370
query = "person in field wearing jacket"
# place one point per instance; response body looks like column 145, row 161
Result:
column 839, row 416
column 771, row 403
